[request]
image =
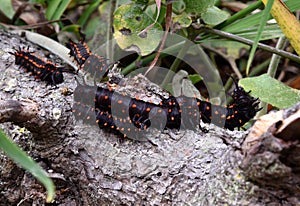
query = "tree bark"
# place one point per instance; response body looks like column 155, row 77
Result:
column 92, row 167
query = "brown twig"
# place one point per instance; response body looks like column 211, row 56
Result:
column 31, row 26
column 164, row 38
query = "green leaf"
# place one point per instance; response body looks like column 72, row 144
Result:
column 52, row 6
column 38, row 1
column 214, row 16
column 183, row 20
column 20, row 157
column 95, row 25
column 129, row 21
column 195, row 78
column 198, row 6
column 145, row 2
column 271, row 91
column 178, row 6
column 7, row 9
column 74, row 28
column 271, row 31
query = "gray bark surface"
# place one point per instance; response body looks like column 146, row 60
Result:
column 92, row 167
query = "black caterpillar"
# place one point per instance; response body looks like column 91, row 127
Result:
column 83, row 110
column 83, row 107
column 80, row 51
column 40, row 69
column 177, row 113
column 91, row 63
column 132, row 117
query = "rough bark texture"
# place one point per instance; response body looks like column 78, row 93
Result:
column 17, row 110
column 92, row 167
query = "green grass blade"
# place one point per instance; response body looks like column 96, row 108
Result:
column 271, row 31
column 240, row 14
column 51, row 9
column 61, row 9
column 86, row 14
column 253, row 20
column 56, row 8
column 20, row 157
column 263, row 22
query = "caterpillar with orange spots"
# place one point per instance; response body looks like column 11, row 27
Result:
column 80, row 51
column 132, row 117
column 173, row 113
column 92, row 63
column 39, row 68
column 89, row 115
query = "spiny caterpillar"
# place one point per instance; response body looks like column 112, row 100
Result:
column 176, row 113
column 44, row 70
column 132, row 117
column 92, row 63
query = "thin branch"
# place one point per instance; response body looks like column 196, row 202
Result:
column 109, row 35
column 250, row 42
column 163, row 41
column 31, row 26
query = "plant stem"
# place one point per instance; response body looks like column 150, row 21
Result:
column 164, row 38
column 250, row 42
column 110, row 45
column 259, row 68
column 276, row 58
